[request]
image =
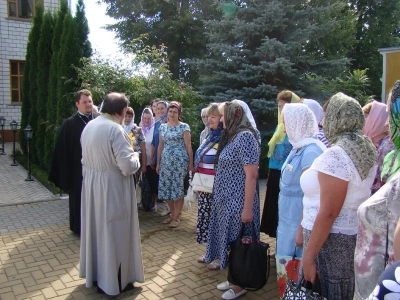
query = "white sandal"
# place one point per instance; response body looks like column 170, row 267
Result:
column 230, row 294
column 224, row 286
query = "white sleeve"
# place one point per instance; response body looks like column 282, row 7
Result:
column 335, row 162
column 123, row 153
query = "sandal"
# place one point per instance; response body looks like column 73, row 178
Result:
column 214, row 265
column 202, row 259
column 167, row 221
column 174, row 224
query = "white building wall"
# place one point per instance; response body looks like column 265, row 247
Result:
column 13, row 41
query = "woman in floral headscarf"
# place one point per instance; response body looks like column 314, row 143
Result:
column 376, row 128
column 377, row 217
column 235, row 199
column 334, row 186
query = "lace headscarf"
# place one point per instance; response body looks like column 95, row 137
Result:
column 235, row 121
column 145, row 129
column 344, row 120
column 301, row 126
column 391, row 163
column 280, row 134
column 375, row 125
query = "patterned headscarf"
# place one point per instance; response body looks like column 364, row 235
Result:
column 343, row 125
column 301, row 126
column 391, row 163
column 235, row 121
column 280, row 134
column 145, row 129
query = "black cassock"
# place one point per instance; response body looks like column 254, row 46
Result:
column 66, row 169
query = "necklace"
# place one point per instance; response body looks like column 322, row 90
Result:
column 83, row 119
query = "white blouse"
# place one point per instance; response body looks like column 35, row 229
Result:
column 335, row 162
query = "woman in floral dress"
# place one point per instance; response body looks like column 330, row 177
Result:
column 235, row 197
column 174, row 160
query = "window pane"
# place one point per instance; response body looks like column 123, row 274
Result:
column 25, row 8
column 14, row 82
column 12, row 9
column 14, row 68
column 15, row 96
column 21, row 68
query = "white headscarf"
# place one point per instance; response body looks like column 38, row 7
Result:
column 316, row 108
column 301, row 125
column 129, row 127
column 249, row 116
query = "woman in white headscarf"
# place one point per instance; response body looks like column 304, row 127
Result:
column 319, row 114
column 301, row 128
column 250, row 117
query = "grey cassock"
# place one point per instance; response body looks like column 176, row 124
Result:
column 110, row 235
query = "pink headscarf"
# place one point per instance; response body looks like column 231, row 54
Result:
column 376, row 124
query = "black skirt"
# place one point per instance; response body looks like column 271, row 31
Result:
column 269, row 220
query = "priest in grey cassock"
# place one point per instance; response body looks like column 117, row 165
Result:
column 110, row 252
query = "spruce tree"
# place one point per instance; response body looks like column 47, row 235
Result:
column 29, row 111
column 51, row 105
column 267, row 46
column 68, row 59
column 82, row 30
column 44, row 57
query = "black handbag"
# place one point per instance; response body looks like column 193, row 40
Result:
column 303, row 290
column 248, row 262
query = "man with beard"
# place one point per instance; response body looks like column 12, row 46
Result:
column 66, row 169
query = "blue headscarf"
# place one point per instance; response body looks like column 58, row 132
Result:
column 213, row 137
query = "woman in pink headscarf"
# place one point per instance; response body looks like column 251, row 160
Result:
column 376, row 128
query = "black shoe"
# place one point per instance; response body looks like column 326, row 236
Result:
column 128, row 287
column 100, row 291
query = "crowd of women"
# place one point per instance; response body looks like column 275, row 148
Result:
column 332, row 189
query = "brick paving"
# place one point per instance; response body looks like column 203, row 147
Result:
column 13, row 187
column 39, row 256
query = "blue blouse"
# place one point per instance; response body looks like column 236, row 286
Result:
column 292, row 170
column 280, row 154
column 156, row 136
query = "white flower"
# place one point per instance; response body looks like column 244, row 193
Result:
column 393, row 286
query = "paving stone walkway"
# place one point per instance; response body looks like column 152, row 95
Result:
column 13, row 187
column 39, row 256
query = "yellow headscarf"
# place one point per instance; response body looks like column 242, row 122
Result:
column 280, row 134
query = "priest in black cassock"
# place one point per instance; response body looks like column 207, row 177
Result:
column 66, row 169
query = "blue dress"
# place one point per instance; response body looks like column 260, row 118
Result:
column 290, row 204
column 174, row 162
column 228, row 196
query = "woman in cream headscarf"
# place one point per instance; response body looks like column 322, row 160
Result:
column 279, row 148
column 334, row 186
column 301, row 127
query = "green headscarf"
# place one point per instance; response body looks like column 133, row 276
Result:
column 343, row 125
column 391, row 163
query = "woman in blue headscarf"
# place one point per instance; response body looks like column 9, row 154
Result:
column 204, row 163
